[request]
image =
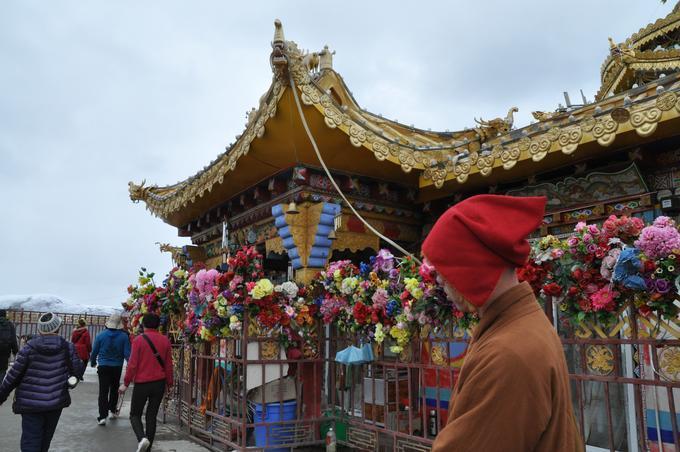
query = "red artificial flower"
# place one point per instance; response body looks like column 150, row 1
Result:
column 644, row 310
column 584, row 305
column 577, row 274
column 573, row 291
column 649, row 266
column 361, row 313
column 553, row 289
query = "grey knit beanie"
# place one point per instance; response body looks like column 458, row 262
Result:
column 49, row 323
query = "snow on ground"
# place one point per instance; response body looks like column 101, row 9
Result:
column 51, row 303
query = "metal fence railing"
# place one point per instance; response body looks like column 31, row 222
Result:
column 625, row 389
column 26, row 324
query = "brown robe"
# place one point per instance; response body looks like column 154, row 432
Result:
column 513, row 390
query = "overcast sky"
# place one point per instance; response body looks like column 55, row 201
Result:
column 94, row 94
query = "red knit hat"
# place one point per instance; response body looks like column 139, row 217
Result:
column 474, row 241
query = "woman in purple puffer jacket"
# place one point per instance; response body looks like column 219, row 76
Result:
column 40, row 375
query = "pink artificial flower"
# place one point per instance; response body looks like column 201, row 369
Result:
column 587, row 238
column 380, row 298
column 557, row 253
column 593, row 229
column 660, row 239
column 604, row 299
column 580, row 226
column 572, row 241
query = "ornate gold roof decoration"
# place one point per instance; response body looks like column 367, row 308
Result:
column 495, row 127
column 643, row 57
column 441, row 156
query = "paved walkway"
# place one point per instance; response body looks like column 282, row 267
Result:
column 78, row 430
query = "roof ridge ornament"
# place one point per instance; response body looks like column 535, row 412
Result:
column 326, row 59
column 495, row 127
column 278, row 32
column 138, row 192
column 277, row 59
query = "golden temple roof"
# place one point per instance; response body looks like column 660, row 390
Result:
column 273, row 138
column 653, row 50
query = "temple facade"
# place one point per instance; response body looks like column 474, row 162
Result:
column 313, row 175
column 620, row 153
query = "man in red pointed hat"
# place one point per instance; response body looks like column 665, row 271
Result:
column 513, row 390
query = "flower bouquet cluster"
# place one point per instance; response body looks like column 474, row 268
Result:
column 387, row 298
column 218, row 303
column 543, row 270
column 597, row 270
column 651, row 268
column 144, row 297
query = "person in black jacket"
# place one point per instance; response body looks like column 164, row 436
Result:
column 8, row 342
column 40, row 375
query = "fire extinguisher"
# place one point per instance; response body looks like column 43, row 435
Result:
column 433, row 424
column 331, row 440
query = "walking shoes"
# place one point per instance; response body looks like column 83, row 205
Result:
column 143, row 445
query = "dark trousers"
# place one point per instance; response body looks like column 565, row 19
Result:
column 109, row 380
column 4, row 363
column 142, row 393
column 37, row 430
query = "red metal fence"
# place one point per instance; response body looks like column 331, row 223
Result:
column 26, row 323
column 625, row 382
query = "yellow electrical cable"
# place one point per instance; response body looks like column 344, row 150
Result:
column 330, row 176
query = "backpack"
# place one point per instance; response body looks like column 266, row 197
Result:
column 6, row 335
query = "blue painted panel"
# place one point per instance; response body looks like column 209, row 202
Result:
column 318, row 252
column 330, row 208
column 297, row 263
column 284, row 232
column 316, row 262
column 666, row 435
column 323, row 230
column 293, row 253
column 327, row 219
column 288, row 243
column 323, row 242
column 277, row 210
column 280, row 222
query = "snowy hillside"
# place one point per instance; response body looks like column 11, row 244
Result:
column 51, row 303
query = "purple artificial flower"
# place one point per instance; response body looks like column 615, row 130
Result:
column 651, row 286
column 663, row 286
column 384, row 261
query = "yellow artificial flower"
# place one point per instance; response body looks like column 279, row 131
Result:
column 263, row 288
column 337, row 275
column 143, row 309
column 233, row 319
column 205, row 334
column 379, row 333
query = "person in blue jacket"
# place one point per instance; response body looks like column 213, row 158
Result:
column 110, row 348
column 40, row 375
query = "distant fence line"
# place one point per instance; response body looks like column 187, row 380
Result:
column 26, row 323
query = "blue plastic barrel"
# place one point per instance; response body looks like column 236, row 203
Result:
column 272, row 435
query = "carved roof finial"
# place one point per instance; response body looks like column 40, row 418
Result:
column 138, row 192
column 278, row 32
column 326, row 59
